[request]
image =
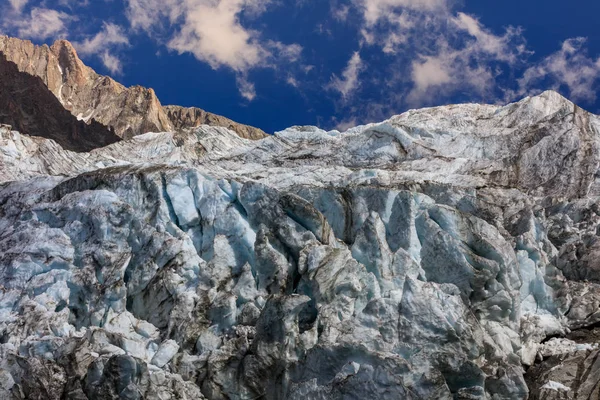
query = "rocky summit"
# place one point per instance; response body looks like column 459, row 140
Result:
column 29, row 107
column 93, row 97
column 446, row 253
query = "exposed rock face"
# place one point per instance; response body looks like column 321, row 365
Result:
column 29, row 107
column 192, row 117
column 89, row 96
column 570, row 370
column 437, row 255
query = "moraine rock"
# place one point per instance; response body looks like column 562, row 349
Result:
column 446, row 253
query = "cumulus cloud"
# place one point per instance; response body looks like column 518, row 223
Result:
column 348, row 82
column 471, row 63
column 212, row 31
column 431, row 71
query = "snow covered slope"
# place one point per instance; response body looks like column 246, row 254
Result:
column 426, row 257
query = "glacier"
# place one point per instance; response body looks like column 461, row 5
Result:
column 446, row 253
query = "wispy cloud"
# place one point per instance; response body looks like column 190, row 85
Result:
column 570, row 68
column 348, row 83
column 345, row 124
column 375, row 11
column 471, row 63
column 110, row 35
column 73, row 4
column 426, row 52
column 404, row 53
column 246, row 88
column 18, row 4
column 41, row 23
column 103, row 43
column 150, row 15
column 111, row 62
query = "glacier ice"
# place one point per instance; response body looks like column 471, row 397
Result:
column 434, row 255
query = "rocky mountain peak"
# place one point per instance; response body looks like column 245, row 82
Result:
column 28, row 106
column 90, row 96
column 74, row 72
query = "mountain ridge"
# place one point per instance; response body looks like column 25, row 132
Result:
column 88, row 95
column 28, row 106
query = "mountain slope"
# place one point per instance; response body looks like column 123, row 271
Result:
column 446, row 253
column 87, row 95
column 29, row 107
column 192, row 117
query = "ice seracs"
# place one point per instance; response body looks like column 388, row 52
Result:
column 445, row 253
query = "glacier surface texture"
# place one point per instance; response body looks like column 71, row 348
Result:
column 446, row 253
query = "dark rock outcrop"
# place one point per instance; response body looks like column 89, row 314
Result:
column 29, row 107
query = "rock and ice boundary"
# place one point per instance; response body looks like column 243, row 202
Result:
column 441, row 254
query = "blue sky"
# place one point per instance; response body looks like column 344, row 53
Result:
column 331, row 63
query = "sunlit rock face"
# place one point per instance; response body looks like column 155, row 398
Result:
column 92, row 97
column 441, row 254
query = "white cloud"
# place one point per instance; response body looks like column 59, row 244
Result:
column 45, row 24
column 570, row 68
column 349, row 81
column 146, row 15
column 18, row 4
column 246, row 88
column 430, row 72
column 292, row 81
column 446, row 73
column 500, row 47
column 376, row 10
column 112, row 63
column 436, row 50
column 41, row 24
column 73, row 3
column 446, row 68
column 287, row 52
column 103, row 44
column 209, row 29
column 212, row 31
column 109, row 36
column 340, row 12
column 345, row 124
